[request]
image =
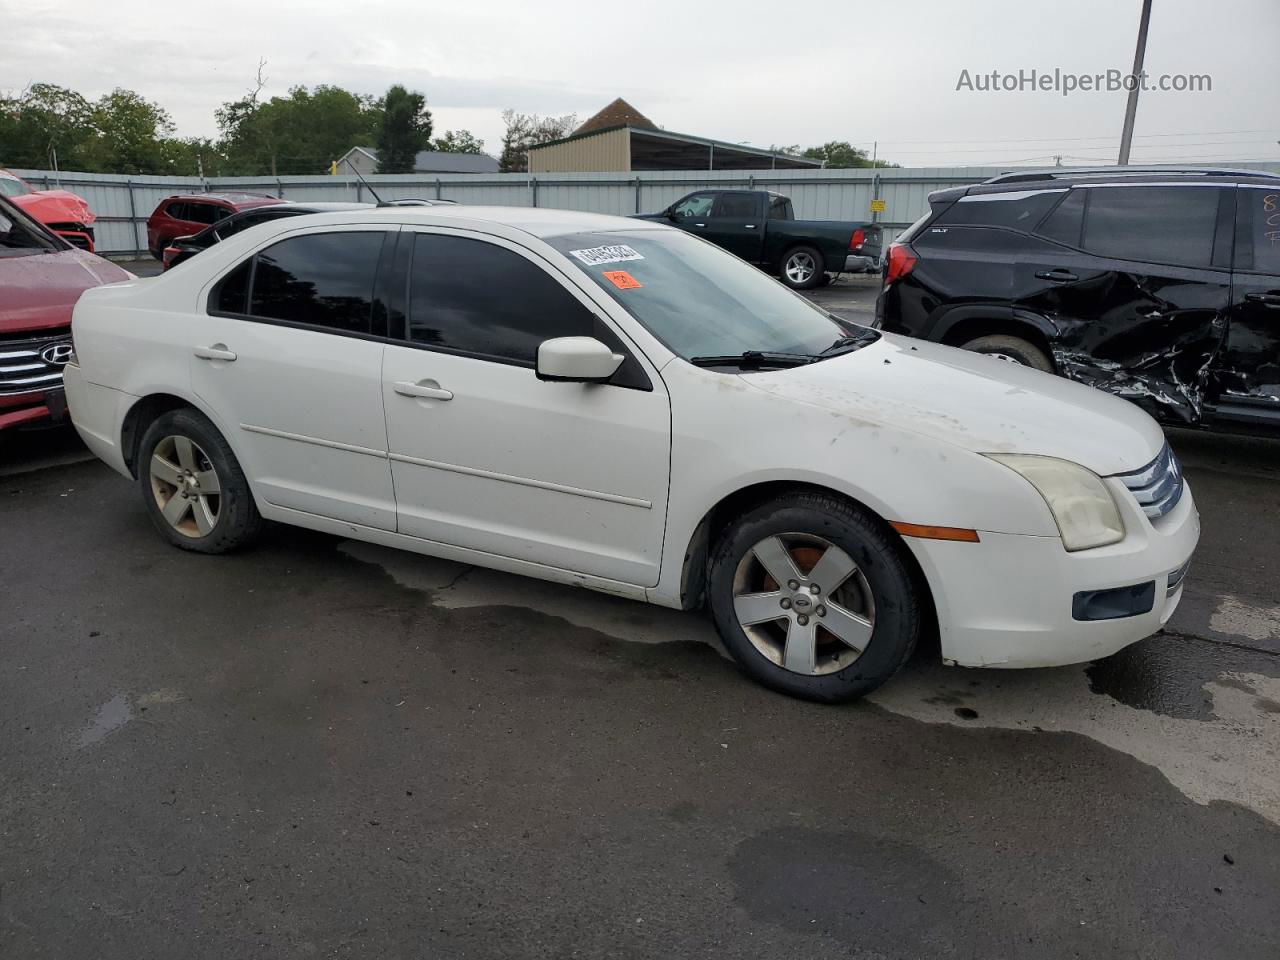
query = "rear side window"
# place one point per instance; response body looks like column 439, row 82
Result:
column 318, row 280
column 780, row 209
column 474, row 297
column 1258, row 230
column 738, row 206
column 1173, row 225
column 1018, row 210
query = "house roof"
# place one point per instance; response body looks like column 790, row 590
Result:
column 619, row 113
column 439, row 161
column 668, row 150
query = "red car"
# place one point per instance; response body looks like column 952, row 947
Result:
column 61, row 211
column 41, row 278
column 186, row 214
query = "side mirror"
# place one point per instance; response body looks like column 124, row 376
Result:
column 577, row 360
column 672, row 215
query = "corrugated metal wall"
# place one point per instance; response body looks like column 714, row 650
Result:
column 610, row 150
column 124, row 203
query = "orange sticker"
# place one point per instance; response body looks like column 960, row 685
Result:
column 622, row 280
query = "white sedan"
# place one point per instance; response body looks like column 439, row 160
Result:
column 616, row 404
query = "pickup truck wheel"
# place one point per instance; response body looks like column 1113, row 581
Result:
column 813, row 599
column 194, row 490
column 1012, row 348
column 802, row 268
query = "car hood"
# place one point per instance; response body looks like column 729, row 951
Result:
column 40, row 289
column 973, row 401
column 55, row 206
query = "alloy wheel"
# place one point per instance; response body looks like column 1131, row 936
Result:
column 800, row 267
column 186, row 486
column 803, row 603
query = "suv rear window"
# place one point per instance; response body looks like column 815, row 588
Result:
column 1173, row 225
column 1017, row 210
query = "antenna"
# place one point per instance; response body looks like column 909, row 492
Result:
column 347, row 161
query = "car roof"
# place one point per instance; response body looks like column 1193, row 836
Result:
column 235, row 199
column 1061, row 178
column 538, row 221
column 323, row 206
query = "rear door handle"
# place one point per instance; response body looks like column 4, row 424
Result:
column 424, row 389
column 1270, row 299
column 1057, row 276
column 218, row 351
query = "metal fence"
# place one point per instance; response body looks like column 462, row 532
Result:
column 123, row 203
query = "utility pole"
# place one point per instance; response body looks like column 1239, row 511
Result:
column 1131, row 108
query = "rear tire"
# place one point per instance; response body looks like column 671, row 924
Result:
column 194, row 489
column 1012, row 348
column 851, row 619
column 802, row 268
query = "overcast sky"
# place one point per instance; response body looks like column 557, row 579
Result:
column 763, row 72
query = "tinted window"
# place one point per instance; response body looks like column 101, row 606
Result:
column 177, row 210
column 203, row 212
column 1067, row 221
column 1158, row 224
column 1258, row 224
column 476, row 297
column 1019, row 210
column 321, row 279
column 740, row 206
column 780, row 209
column 698, row 205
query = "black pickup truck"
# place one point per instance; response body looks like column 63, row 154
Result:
column 761, row 228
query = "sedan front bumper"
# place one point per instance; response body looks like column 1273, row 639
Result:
column 1011, row 601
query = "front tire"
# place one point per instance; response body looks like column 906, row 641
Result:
column 802, row 268
column 1012, row 348
column 812, row 597
column 194, row 489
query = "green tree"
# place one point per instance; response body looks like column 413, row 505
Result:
column 44, row 121
column 406, row 129
column 458, row 141
column 297, row 134
column 129, row 132
column 840, row 153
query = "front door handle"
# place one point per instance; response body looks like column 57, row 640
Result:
column 1270, row 299
column 751, row 226
column 424, row 389
column 218, row 351
column 699, row 224
column 1057, row 276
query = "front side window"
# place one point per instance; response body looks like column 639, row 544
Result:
column 1173, row 225
column 204, row 212
column 318, row 279
column 697, row 299
column 696, row 205
column 475, row 297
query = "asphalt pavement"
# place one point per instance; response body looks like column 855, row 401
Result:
column 324, row 748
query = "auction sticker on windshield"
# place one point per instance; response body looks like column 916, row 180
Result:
column 622, row 280
column 615, row 253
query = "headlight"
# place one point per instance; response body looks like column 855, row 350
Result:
column 1080, row 502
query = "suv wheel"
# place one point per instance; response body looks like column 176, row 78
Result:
column 812, row 598
column 1012, row 348
column 193, row 487
column 802, row 268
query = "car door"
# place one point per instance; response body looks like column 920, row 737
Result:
column 692, row 212
column 737, row 223
column 1247, row 371
column 1135, row 286
column 289, row 358
column 486, row 456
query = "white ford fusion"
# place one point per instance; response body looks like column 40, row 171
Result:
column 616, row 404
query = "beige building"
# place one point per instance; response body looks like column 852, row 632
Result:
column 621, row 138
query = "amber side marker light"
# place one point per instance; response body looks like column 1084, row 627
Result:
column 936, row 533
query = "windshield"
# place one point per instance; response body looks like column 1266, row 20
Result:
column 697, row 299
column 13, row 187
column 20, row 235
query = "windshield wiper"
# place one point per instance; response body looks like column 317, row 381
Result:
column 847, row 345
column 755, row 360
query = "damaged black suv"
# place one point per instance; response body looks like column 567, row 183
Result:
column 1161, row 286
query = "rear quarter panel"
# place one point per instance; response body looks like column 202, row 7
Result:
column 830, row 237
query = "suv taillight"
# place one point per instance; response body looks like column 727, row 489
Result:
column 858, row 239
column 168, row 255
column 899, row 263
